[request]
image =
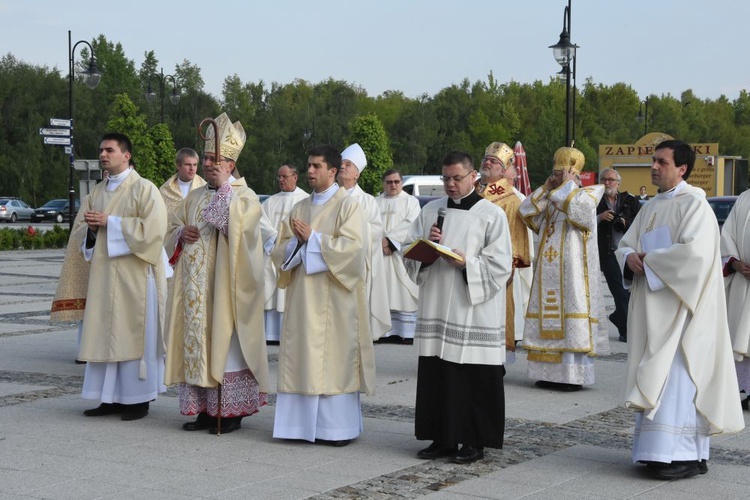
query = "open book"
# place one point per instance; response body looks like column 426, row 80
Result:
column 428, row 251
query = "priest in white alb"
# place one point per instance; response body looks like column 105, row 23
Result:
column 216, row 349
column 123, row 321
column 326, row 354
column 353, row 162
column 564, row 333
column 460, row 331
column 735, row 254
column 276, row 209
column 680, row 377
column 398, row 209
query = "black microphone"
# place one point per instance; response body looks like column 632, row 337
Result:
column 441, row 218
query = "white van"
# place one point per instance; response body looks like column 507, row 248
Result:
column 423, row 185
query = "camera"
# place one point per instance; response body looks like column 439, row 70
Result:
column 617, row 222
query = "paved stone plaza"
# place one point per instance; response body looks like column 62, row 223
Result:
column 557, row 445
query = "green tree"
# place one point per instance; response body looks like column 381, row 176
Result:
column 369, row 133
column 126, row 119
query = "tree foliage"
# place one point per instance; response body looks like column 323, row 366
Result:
column 282, row 120
column 368, row 132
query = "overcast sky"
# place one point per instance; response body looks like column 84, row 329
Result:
column 656, row 46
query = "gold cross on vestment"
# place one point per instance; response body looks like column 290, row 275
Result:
column 550, row 254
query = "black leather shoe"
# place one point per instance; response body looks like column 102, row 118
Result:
column 228, row 425
column 337, row 443
column 104, row 409
column 558, row 386
column 436, row 450
column 468, row 454
column 702, row 467
column 675, row 470
column 134, row 412
column 201, row 423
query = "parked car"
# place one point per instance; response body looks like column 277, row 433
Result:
column 55, row 210
column 13, row 209
column 721, row 206
column 424, row 200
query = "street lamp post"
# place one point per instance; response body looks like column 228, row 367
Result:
column 565, row 55
column 93, row 77
column 174, row 97
column 643, row 117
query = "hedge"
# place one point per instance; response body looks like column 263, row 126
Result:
column 30, row 239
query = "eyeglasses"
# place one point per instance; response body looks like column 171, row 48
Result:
column 397, row 181
column 493, row 160
column 455, row 178
column 610, row 179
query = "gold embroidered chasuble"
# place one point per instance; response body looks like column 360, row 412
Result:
column 735, row 242
column 564, row 304
column 501, row 193
column 688, row 313
column 72, row 286
column 326, row 347
column 114, row 323
column 172, row 194
column 218, row 290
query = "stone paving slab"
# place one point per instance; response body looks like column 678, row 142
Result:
column 557, row 445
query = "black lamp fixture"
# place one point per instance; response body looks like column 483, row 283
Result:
column 150, row 93
column 92, row 77
column 643, row 115
column 565, row 55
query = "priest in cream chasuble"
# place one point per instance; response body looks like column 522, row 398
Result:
column 496, row 186
column 680, row 377
column 123, row 319
column 215, row 323
column 177, row 187
column 326, row 354
column 563, row 332
column 398, row 210
column 735, row 254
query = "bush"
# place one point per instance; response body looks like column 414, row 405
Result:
column 21, row 239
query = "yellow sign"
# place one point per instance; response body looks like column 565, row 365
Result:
column 633, row 163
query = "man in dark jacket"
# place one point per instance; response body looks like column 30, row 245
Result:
column 615, row 213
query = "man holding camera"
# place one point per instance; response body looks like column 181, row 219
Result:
column 614, row 214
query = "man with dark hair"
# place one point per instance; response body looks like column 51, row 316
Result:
column 460, row 330
column 276, row 208
column 680, row 376
column 614, row 215
column 122, row 324
column 398, row 210
column 177, row 187
column 326, row 355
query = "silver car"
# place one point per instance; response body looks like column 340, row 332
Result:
column 13, row 209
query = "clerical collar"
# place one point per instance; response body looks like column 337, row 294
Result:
column 672, row 192
column 287, row 193
column 466, row 202
column 211, row 188
column 351, row 189
column 114, row 181
column 321, row 198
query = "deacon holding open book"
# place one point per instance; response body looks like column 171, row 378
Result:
column 460, row 329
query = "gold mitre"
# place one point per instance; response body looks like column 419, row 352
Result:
column 502, row 152
column 569, row 159
column 232, row 138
